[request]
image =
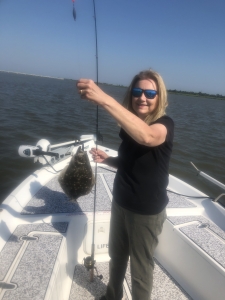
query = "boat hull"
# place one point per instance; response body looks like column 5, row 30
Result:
column 45, row 238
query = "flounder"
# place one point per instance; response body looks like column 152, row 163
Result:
column 77, row 179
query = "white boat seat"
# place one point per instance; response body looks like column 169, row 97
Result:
column 32, row 250
column 204, row 233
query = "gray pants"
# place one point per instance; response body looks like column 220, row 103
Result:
column 132, row 235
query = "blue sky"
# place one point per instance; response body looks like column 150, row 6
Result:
column 184, row 40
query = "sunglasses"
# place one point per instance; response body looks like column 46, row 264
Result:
column 149, row 94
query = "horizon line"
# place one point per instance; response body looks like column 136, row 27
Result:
column 60, row 78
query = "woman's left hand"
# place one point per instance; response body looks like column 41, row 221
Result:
column 90, row 91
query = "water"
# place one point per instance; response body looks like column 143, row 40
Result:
column 36, row 107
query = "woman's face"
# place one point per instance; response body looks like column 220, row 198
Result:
column 142, row 105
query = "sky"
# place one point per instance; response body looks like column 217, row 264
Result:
column 183, row 40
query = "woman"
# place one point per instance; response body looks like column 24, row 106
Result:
column 139, row 193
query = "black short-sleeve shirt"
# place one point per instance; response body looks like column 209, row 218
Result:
column 142, row 175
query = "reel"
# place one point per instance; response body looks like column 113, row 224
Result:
column 89, row 264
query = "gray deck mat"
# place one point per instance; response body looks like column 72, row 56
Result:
column 51, row 199
column 209, row 237
column 105, row 170
column 82, row 288
column 164, row 286
column 34, row 270
column 109, row 178
column 175, row 201
column 178, row 201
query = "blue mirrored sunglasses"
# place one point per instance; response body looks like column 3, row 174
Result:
column 149, row 94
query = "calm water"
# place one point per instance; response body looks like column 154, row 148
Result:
column 35, row 107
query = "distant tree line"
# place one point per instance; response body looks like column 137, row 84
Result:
column 199, row 94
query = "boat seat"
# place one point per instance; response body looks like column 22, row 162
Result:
column 28, row 258
column 204, row 234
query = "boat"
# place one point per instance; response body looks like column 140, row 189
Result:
column 46, row 240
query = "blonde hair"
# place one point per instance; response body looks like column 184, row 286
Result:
column 162, row 95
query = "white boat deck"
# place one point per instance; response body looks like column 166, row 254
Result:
column 41, row 251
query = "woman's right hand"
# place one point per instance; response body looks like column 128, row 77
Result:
column 98, row 155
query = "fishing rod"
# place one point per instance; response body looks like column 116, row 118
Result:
column 89, row 261
column 95, row 190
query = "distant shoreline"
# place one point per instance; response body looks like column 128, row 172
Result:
column 19, row 73
column 200, row 94
column 176, row 92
